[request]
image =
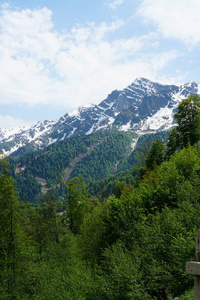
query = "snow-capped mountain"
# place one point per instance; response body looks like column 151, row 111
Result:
column 143, row 106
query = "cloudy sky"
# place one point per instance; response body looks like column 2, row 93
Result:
column 58, row 55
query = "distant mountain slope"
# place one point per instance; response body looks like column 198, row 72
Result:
column 96, row 157
column 93, row 157
column 143, row 106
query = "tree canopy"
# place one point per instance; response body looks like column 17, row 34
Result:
column 130, row 243
column 188, row 121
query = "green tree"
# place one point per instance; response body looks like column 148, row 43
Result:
column 172, row 142
column 92, row 239
column 45, row 224
column 9, row 230
column 77, row 203
column 121, row 276
column 188, row 119
column 155, row 155
column 119, row 187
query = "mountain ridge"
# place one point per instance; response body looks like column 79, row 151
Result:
column 144, row 107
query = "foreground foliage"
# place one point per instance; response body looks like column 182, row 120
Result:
column 131, row 243
column 130, row 246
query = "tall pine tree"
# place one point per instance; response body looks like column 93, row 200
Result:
column 8, row 230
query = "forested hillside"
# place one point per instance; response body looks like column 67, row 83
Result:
column 93, row 157
column 132, row 244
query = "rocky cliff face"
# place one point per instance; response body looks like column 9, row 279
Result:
column 143, row 106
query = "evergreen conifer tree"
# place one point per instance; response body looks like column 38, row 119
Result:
column 9, row 230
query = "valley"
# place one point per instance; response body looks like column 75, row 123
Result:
column 108, row 212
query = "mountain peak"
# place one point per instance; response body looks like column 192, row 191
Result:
column 141, row 81
column 143, row 107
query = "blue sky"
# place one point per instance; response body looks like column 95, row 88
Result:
column 58, row 55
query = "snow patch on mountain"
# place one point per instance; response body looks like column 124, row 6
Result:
column 74, row 113
column 144, row 106
column 134, row 143
column 163, row 119
column 6, row 133
column 51, row 141
column 126, row 127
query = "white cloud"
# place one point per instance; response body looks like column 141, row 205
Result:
column 177, row 19
column 114, row 3
column 39, row 65
column 8, row 121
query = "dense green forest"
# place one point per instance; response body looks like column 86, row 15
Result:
column 131, row 244
column 93, row 157
column 96, row 158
